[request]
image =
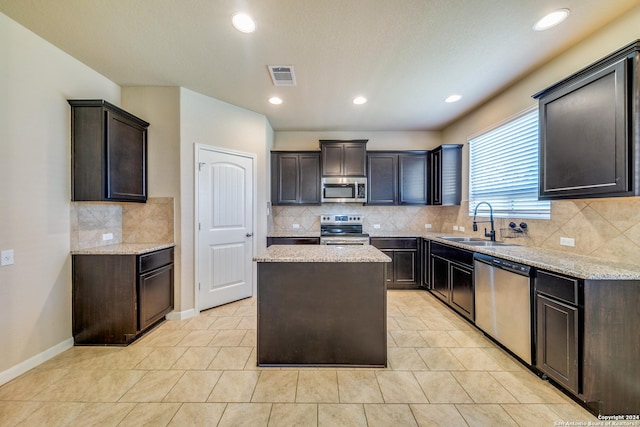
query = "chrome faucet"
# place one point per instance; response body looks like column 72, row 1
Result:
column 491, row 234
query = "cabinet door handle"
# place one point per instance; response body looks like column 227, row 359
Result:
column 249, row 234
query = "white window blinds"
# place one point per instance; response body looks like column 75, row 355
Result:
column 503, row 169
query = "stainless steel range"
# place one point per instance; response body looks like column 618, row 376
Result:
column 342, row 230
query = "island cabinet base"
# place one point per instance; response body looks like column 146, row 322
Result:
column 318, row 313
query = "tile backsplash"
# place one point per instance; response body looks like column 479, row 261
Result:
column 603, row 228
column 150, row 222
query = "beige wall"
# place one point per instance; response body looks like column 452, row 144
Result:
column 208, row 121
column 518, row 97
column 607, row 228
column 410, row 140
column 160, row 106
column 36, row 79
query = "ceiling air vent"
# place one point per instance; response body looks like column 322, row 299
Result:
column 282, row 75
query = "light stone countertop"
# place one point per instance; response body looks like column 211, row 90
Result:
column 124, row 249
column 579, row 266
column 294, row 234
column 321, row 253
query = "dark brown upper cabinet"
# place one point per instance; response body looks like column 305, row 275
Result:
column 590, row 130
column 108, row 153
column 344, row 158
column 295, row 178
column 446, row 175
column 397, row 177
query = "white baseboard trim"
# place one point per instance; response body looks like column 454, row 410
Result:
column 181, row 315
column 22, row 367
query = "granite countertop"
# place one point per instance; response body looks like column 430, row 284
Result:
column 393, row 234
column 579, row 266
column 124, row 249
column 294, row 234
column 321, row 253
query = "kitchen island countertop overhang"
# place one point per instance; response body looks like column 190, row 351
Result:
column 321, row 253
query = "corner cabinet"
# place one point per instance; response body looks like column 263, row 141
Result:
column 397, row 177
column 108, row 153
column 344, row 158
column 295, row 178
column 446, row 175
column 590, row 130
column 116, row 298
column 403, row 272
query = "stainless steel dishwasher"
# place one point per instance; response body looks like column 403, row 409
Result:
column 503, row 303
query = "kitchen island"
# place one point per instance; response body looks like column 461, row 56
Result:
column 322, row 305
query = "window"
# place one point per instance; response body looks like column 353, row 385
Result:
column 503, row 169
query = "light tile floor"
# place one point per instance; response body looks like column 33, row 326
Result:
column 202, row 372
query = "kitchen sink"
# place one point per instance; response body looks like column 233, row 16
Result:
column 475, row 241
column 486, row 243
column 462, row 239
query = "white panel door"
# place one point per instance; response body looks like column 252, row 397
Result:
column 225, row 217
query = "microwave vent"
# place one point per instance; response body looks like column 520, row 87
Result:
column 282, row 75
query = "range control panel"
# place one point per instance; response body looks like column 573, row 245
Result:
column 513, row 266
column 341, row 219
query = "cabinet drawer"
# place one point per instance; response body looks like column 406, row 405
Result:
column 155, row 260
column 453, row 254
column 394, row 243
column 560, row 287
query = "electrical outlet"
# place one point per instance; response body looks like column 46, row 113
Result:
column 107, row 236
column 6, row 257
column 567, row 241
column 455, row 228
column 427, row 226
column 296, row 225
column 376, row 226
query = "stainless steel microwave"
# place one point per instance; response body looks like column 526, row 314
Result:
column 344, row 190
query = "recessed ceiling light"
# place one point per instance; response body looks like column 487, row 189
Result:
column 551, row 20
column 275, row 100
column 359, row 100
column 243, row 23
column 453, row 98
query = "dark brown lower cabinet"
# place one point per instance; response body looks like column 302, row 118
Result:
column 116, row 298
column 451, row 277
column 426, row 268
column 440, row 277
column 557, row 352
column 587, row 340
column 403, row 272
column 462, row 291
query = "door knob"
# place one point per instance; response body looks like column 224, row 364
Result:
column 249, row 234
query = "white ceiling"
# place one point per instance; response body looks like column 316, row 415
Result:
column 405, row 56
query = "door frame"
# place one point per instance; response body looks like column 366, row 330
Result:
column 196, row 220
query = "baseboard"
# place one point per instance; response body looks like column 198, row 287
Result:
column 181, row 315
column 32, row 362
